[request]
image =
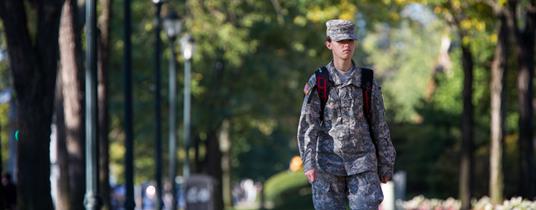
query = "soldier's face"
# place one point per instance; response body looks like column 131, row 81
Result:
column 343, row 49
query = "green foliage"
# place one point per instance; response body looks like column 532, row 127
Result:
column 407, row 52
column 142, row 57
column 4, row 133
column 5, row 83
column 428, row 150
column 261, row 151
column 289, row 190
column 427, row 153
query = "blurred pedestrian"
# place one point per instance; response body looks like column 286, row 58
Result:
column 9, row 192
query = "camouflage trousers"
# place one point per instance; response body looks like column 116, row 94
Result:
column 360, row 191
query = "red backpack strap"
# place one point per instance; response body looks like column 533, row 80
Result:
column 323, row 86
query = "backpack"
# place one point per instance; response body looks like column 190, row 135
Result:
column 324, row 85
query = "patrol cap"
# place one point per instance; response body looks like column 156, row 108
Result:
column 338, row 29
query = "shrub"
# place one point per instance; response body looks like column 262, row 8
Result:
column 422, row 203
column 516, row 203
column 288, row 191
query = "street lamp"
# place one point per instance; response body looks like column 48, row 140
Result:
column 158, row 123
column 187, row 45
column 172, row 25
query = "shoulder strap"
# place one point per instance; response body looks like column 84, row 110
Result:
column 323, row 86
column 367, row 76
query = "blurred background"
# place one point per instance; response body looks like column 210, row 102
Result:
column 182, row 103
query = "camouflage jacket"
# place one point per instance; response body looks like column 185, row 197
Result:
column 340, row 143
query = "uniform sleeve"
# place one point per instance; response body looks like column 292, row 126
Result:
column 386, row 150
column 309, row 125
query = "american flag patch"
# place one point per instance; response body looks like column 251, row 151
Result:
column 306, row 89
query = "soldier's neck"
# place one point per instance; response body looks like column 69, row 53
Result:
column 342, row 65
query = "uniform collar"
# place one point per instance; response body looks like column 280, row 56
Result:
column 355, row 78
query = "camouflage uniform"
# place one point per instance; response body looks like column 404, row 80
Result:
column 332, row 192
column 339, row 146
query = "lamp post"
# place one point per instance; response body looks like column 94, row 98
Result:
column 187, row 45
column 129, row 139
column 158, row 135
column 172, row 25
column 92, row 169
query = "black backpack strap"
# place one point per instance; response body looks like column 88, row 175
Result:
column 323, row 86
column 367, row 76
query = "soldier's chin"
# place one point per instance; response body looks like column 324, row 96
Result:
column 346, row 56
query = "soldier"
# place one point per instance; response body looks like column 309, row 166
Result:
column 345, row 157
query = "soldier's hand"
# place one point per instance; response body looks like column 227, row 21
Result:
column 385, row 179
column 311, row 175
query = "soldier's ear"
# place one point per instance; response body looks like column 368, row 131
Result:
column 328, row 44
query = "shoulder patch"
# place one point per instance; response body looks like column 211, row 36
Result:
column 306, row 89
column 309, row 85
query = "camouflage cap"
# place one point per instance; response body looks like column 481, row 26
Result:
column 338, row 30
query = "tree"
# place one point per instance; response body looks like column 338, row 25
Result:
column 63, row 199
column 33, row 62
column 497, row 113
column 103, row 68
column 498, row 72
column 469, row 20
column 71, row 93
column 467, row 161
column 524, row 36
column 455, row 16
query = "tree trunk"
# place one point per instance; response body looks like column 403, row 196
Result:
column 213, row 165
column 525, row 40
column 70, row 55
column 34, row 68
column 63, row 199
column 104, row 58
column 525, row 93
column 213, row 159
column 498, row 69
column 466, row 166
